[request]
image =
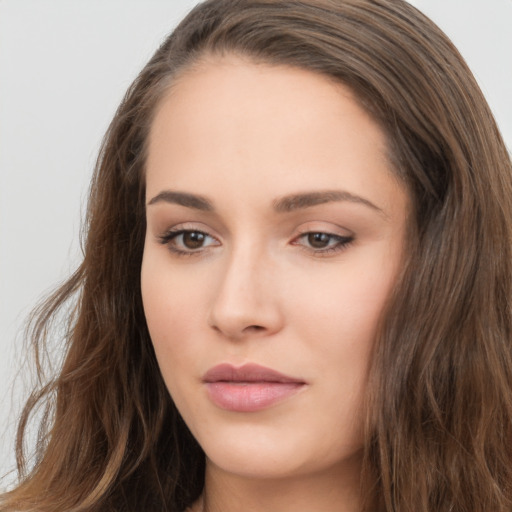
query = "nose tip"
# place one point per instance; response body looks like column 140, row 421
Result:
column 245, row 303
column 242, row 320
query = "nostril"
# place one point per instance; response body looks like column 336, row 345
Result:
column 254, row 328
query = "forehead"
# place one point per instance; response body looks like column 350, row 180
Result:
column 232, row 121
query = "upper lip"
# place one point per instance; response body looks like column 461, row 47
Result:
column 246, row 373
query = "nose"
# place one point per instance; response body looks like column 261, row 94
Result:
column 246, row 302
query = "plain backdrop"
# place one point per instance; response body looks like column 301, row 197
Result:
column 64, row 67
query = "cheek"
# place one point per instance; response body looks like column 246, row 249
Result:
column 172, row 307
column 340, row 306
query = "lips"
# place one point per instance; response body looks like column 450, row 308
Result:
column 248, row 388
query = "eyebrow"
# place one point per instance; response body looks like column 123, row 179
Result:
column 183, row 199
column 308, row 199
column 285, row 204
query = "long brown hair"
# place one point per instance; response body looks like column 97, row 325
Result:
column 439, row 429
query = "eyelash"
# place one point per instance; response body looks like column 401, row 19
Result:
column 341, row 242
column 171, row 235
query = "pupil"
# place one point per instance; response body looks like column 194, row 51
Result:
column 193, row 239
column 318, row 240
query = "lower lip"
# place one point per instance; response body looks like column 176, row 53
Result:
column 250, row 396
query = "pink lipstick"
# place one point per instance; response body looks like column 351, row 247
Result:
column 248, row 388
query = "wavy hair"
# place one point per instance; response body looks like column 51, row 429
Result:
column 439, row 410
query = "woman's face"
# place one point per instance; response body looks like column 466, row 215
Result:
column 275, row 230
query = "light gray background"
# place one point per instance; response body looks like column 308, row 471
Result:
column 64, row 66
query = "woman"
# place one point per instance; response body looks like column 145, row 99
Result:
column 299, row 229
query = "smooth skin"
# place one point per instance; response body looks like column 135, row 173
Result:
column 275, row 234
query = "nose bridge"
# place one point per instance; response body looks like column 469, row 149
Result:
column 245, row 300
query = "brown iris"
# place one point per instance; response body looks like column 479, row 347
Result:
column 319, row 240
column 193, row 239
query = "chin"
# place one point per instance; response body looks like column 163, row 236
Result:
column 263, row 454
column 255, row 464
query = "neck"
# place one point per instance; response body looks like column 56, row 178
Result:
column 332, row 490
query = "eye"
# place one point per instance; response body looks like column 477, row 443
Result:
column 187, row 241
column 319, row 240
column 322, row 243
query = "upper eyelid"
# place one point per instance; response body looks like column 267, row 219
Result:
column 177, row 231
column 188, row 226
column 305, row 228
column 332, row 229
column 328, row 233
